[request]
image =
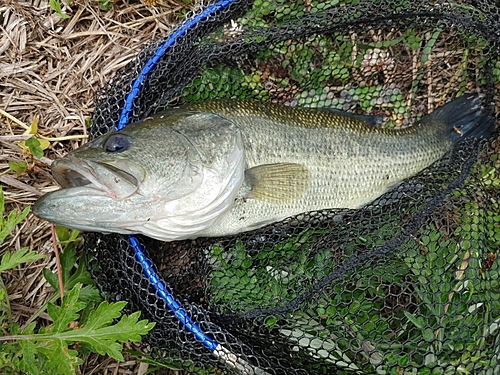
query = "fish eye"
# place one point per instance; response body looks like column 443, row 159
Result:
column 117, row 143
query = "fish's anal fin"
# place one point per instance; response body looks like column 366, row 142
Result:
column 277, row 183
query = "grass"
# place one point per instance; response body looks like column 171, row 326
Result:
column 434, row 304
column 50, row 68
column 50, row 77
column 79, row 324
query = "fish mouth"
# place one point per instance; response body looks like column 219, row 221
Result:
column 97, row 177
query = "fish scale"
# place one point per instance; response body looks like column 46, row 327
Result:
column 224, row 167
column 351, row 163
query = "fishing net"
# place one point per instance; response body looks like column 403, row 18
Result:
column 409, row 284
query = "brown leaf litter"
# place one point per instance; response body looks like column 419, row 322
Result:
column 50, row 68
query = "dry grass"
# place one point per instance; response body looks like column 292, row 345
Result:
column 49, row 70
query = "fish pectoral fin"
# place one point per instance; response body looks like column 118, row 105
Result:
column 277, row 183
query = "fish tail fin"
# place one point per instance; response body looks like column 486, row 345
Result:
column 465, row 117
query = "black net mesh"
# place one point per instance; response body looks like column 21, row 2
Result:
column 406, row 285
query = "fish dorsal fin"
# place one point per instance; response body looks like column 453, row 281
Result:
column 375, row 121
column 277, row 183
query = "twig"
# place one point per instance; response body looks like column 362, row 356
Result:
column 10, row 117
column 58, row 261
column 65, row 138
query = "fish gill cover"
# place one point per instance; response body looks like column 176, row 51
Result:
column 409, row 284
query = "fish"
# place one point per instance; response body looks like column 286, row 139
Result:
column 224, row 167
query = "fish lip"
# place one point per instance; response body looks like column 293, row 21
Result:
column 55, row 206
column 72, row 172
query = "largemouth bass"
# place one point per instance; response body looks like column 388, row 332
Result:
column 224, row 167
